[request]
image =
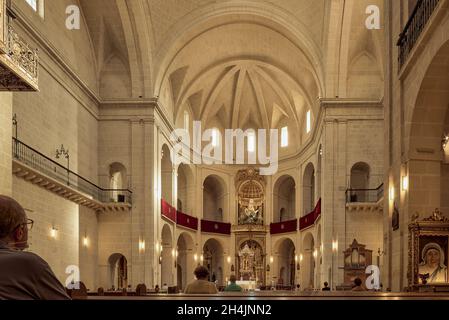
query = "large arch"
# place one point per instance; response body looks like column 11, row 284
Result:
column 309, row 261
column 429, row 122
column 284, row 199
column 286, row 252
column 117, row 271
column 215, row 199
column 308, row 186
column 213, row 260
column 185, row 185
column 167, row 254
column 166, row 175
column 185, row 260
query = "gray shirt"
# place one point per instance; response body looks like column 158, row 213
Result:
column 26, row 276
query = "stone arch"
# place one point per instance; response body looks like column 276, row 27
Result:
column 213, row 260
column 166, row 175
column 284, row 199
column 286, row 252
column 360, row 182
column 118, row 271
column 308, row 186
column 167, row 255
column 118, row 180
column 185, row 259
column 185, row 192
column 308, row 263
column 215, row 197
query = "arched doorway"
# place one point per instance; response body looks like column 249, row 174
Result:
column 286, row 262
column 284, row 199
column 309, row 254
column 308, row 189
column 166, row 175
column 184, row 262
column 213, row 260
column 118, row 271
column 167, row 264
column 214, row 198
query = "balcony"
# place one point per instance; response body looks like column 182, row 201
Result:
column 414, row 28
column 284, row 227
column 310, row 219
column 366, row 199
column 19, row 62
column 40, row 170
column 215, row 227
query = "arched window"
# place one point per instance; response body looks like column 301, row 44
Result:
column 284, row 137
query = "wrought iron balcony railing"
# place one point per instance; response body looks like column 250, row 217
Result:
column 39, row 162
column 414, row 27
column 365, row 195
column 22, row 54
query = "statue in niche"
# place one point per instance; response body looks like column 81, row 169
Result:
column 251, row 214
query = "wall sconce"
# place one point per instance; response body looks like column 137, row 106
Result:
column 85, row 241
column 301, row 257
column 334, row 246
column 405, row 183
column 201, row 258
column 391, row 193
column 271, row 259
column 229, row 259
column 315, row 253
column 445, row 141
column 141, row 246
column 54, row 232
column 195, row 257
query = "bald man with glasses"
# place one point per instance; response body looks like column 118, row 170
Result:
column 23, row 275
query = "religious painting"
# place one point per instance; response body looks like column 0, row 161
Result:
column 433, row 259
column 429, row 250
column 251, row 196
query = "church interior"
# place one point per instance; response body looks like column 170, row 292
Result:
column 100, row 100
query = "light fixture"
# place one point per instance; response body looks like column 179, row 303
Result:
column 392, row 193
column 229, row 259
column 315, row 253
column 405, row 183
column 85, row 241
column 334, row 245
column 141, row 246
column 54, row 232
column 445, row 140
column 195, row 257
column 173, row 253
column 296, row 258
column 271, row 259
column 301, row 257
column 201, row 258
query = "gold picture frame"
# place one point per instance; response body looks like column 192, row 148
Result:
column 429, row 251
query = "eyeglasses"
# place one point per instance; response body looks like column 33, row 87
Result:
column 29, row 224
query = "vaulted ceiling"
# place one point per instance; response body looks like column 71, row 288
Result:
column 234, row 64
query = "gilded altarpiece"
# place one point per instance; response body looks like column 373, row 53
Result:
column 250, row 231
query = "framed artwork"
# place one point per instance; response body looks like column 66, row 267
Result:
column 428, row 251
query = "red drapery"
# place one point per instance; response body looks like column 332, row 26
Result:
column 215, row 227
column 310, row 219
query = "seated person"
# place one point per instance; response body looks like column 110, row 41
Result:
column 233, row 287
column 358, row 285
column 23, row 275
column 326, row 287
column 201, row 285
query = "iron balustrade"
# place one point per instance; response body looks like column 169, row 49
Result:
column 38, row 161
column 365, row 195
column 414, row 27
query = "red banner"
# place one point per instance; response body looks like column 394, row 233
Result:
column 215, row 227
column 168, row 211
column 187, row 221
column 310, row 219
column 284, row 227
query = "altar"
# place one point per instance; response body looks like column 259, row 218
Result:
column 247, row 285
